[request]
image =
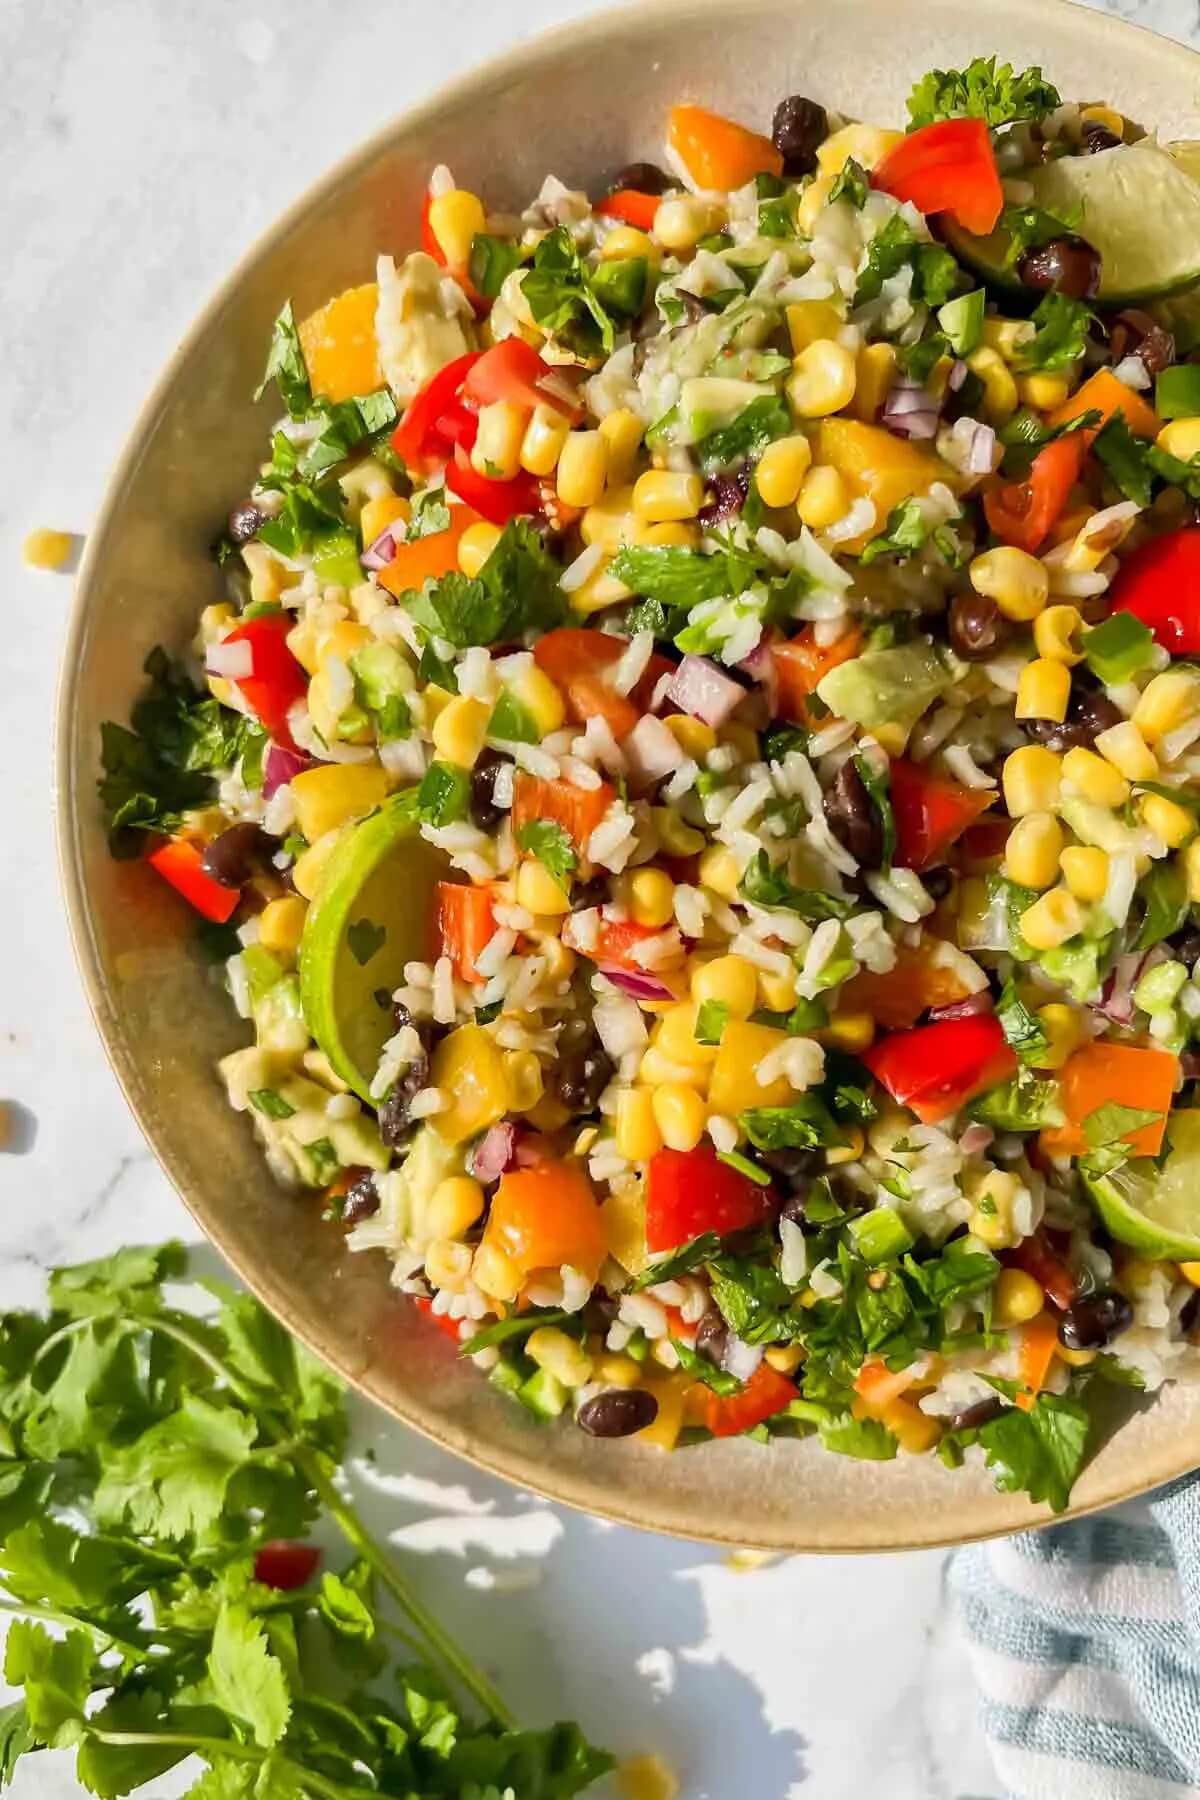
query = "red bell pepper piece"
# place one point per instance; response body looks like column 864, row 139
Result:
column 512, row 370
column 631, row 205
column 416, row 438
column 445, row 1324
column 458, row 425
column 766, row 1393
column 1022, row 512
column 179, row 862
column 1038, row 1257
column 937, row 1068
column 950, row 168
column 930, row 813
column 577, row 660
column 277, row 680
column 496, row 501
column 578, row 810
column 429, row 241
column 1160, row 585
column 286, row 1566
column 689, row 1192
column 465, row 925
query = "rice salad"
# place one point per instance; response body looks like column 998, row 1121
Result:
column 769, row 592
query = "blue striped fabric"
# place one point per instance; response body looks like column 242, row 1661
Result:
column 1085, row 1639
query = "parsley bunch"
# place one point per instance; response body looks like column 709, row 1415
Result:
column 983, row 90
column 148, row 1455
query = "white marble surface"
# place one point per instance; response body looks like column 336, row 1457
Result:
column 145, row 145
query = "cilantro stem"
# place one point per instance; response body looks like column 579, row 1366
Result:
column 214, row 1748
column 72, row 1621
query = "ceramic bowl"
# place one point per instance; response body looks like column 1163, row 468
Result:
column 579, row 102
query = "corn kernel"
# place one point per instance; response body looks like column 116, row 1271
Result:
column 719, row 871
column 850, row 1031
column 673, row 534
column 992, row 1193
column 663, row 495
column 776, row 993
column 454, row 1206
column 599, row 591
column 866, row 144
column 495, row 1273
column 378, row 514
column 281, row 925
column 657, row 1069
column 1043, row 690
column 694, row 737
column 560, row 1355
column 822, row 380
column 809, row 320
column 448, row 1264
column 1100, row 534
column 1064, row 1032
column 435, row 700
column 824, row 498
column 637, row 1133
column 851, row 1150
column 1076, row 1359
column 1190, row 1272
column 541, row 698
column 813, row 200
column 680, row 1114
column 524, row 1073
column 742, row 739
column 785, row 1359
column 1031, row 780
column 366, row 480
column 1016, row 1298
column 651, row 897
column 539, row 891
column 681, row 222
column 1180, row 438
column 1008, row 337
column 1168, row 701
column 47, row 549
column 456, row 218
column 781, row 469
column 582, row 469
column 1085, row 871
column 1191, row 870
column 545, row 435
column 731, row 981
column 330, row 794
column 496, row 451
column 1127, row 750
column 875, row 372
column 915, row 1432
column 675, row 836
column 615, row 1370
column 1094, row 779
column 476, row 545
column 269, row 577
column 1166, row 819
column 622, row 432
column 459, row 730
column 1056, row 634
column 1051, row 920
column 1045, row 393
column 1000, row 399
column 625, row 241
column 310, row 865
column 1016, row 581
column 1033, row 849
column 676, row 1037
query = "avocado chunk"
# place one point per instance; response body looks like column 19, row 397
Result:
column 883, row 687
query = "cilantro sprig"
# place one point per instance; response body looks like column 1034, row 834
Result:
column 983, row 90
column 154, row 1459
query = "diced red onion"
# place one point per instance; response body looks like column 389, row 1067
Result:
column 909, row 410
column 975, row 1138
column 233, row 661
column 495, row 1153
column 964, row 1009
column 914, row 424
column 1116, row 996
column 381, row 551
column 651, row 751
column 530, row 1150
column 957, row 375
column 560, row 393
column 279, row 766
column 699, row 687
column 635, row 984
column 981, row 453
column 1189, row 1065
column 740, row 1359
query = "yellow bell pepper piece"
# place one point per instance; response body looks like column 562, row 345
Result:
column 886, row 468
column 338, row 341
column 470, row 1072
column 624, row 1218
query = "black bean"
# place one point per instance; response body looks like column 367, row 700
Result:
column 485, row 814
column 1092, row 1323
column 712, row 1337
column 853, row 818
column 400, row 1016
column 729, row 495
column 799, row 126
column 979, row 1414
column 1098, row 137
column 1189, row 1318
column 1088, row 714
column 793, row 1169
column 582, row 1076
column 1068, row 264
column 1135, row 333
column 617, row 1413
column 244, row 521
column 361, row 1199
column 937, row 882
column 593, row 892
column 394, row 1120
column 976, row 627
column 232, row 857
column 1187, row 949
column 645, row 177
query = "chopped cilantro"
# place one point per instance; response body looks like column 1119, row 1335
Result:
column 270, row 1104
column 711, row 1020
column 1061, row 335
column 516, row 591
column 983, row 90
column 552, row 847
column 444, row 795
column 746, row 437
column 853, row 184
column 764, row 885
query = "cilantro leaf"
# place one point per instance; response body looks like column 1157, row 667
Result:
column 506, row 1331
column 683, row 578
column 559, row 290
column 248, row 1681
column 346, row 425
column 286, row 366
column 1061, row 335
column 56, row 1674
column 444, row 795
column 753, row 1300
column 982, row 90
column 430, row 514
column 1029, row 227
column 805, row 1124
column 492, row 261
column 1124, row 457
column 1163, row 899
column 1027, row 1102
column 852, row 185
column 1112, row 1122
column 711, row 1020
column 866, row 1439
column 744, row 438
column 1020, row 1026
column 689, row 1256
column 1040, row 1451
column 691, row 1361
column 173, row 1479
column 886, row 255
column 765, row 885
column 551, row 845
column 515, row 592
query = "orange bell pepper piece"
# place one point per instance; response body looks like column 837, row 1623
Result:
column 545, row 1217
column 338, row 342
column 802, row 662
column 717, row 152
column 1123, row 1073
column 877, row 1386
column 914, row 984
column 1023, row 512
column 577, row 810
column 427, row 558
column 465, row 925
column 1039, row 1340
column 1103, row 393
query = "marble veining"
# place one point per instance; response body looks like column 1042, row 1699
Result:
column 146, row 146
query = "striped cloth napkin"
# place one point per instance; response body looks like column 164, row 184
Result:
column 1085, row 1640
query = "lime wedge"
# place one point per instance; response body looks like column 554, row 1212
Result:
column 1141, row 210
column 370, row 916
column 1157, row 1210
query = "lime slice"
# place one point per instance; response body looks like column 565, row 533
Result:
column 1141, row 210
column 370, row 916
column 1157, row 1210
